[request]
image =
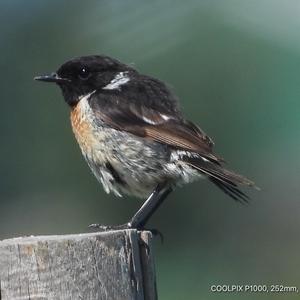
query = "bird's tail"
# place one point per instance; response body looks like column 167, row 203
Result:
column 224, row 179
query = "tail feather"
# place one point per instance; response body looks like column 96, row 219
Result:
column 224, row 179
column 231, row 191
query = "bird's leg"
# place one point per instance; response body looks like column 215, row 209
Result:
column 141, row 217
column 149, row 207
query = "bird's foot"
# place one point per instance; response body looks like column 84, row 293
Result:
column 156, row 233
column 101, row 227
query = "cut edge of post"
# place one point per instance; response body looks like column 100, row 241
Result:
column 148, row 265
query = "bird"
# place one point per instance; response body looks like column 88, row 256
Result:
column 134, row 136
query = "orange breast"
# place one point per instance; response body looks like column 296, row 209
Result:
column 82, row 129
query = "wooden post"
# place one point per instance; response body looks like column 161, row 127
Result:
column 102, row 265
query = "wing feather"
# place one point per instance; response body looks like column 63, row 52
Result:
column 161, row 127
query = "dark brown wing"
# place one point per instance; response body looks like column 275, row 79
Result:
column 157, row 126
column 181, row 136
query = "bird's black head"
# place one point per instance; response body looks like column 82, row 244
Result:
column 83, row 75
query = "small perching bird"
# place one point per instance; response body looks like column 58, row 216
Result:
column 133, row 135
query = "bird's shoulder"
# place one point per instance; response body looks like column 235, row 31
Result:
column 140, row 90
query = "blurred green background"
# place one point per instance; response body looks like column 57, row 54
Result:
column 235, row 66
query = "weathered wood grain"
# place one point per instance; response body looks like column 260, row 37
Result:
column 104, row 265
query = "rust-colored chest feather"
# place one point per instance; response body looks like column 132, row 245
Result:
column 82, row 126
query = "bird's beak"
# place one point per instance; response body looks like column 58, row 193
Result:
column 53, row 77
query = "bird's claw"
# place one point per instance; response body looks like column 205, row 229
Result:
column 156, row 232
column 100, row 227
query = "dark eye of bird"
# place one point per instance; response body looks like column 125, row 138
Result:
column 84, row 74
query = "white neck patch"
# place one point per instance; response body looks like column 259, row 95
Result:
column 87, row 96
column 120, row 79
column 84, row 105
